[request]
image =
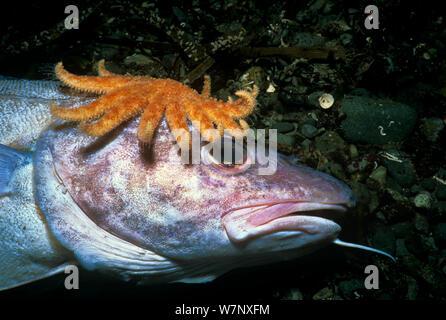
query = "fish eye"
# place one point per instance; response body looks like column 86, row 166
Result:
column 228, row 155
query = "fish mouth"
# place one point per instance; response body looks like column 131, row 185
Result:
column 289, row 217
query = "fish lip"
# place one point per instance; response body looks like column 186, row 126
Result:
column 253, row 221
column 341, row 207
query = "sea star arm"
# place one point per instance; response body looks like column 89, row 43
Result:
column 176, row 119
column 119, row 113
column 90, row 83
column 93, row 109
column 244, row 105
column 103, row 72
column 217, row 114
column 150, row 119
column 206, row 92
column 200, row 121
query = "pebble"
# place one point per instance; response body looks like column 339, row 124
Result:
column 441, row 192
column 402, row 229
column 346, row 38
column 423, row 200
column 283, row 127
column 313, row 98
column 348, row 287
column 376, row 121
column 353, row 151
column 306, row 143
column 415, row 189
column 439, row 233
column 379, row 175
column 324, row 294
column 380, row 215
column 361, row 92
column 403, row 172
column 309, row 131
column 138, row 59
column 431, row 127
column 440, row 206
column 293, row 294
column 412, row 288
column 361, row 193
column 384, row 239
column 421, row 223
column 285, row 139
column 334, row 169
column 330, row 141
column 255, row 75
column 401, row 249
column 428, row 184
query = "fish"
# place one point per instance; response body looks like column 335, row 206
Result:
column 141, row 214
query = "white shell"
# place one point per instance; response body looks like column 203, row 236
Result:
column 326, row 100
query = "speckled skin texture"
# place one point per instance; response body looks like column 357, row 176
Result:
column 152, row 200
column 25, row 112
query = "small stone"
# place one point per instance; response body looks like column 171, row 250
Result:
column 428, row 184
column 349, row 287
column 402, row 171
column 440, row 206
column 361, row 92
column 267, row 101
column 306, row 143
column 439, row 233
column 431, row 127
column 423, row 200
column 380, row 215
column 441, row 192
column 384, row 239
column 334, row 169
column 346, row 38
column 428, row 243
column 330, row 141
column 324, row 294
column 402, row 229
column 285, row 139
column 374, row 201
column 361, row 193
column 412, row 288
column 421, row 223
column 313, row 98
column 283, row 127
column 290, row 95
column 255, row 75
column 401, row 249
column 415, row 189
column 138, row 59
column 293, row 294
column 292, row 116
column 379, row 175
column 353, row 151
column 309, row 131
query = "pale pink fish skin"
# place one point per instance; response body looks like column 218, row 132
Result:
column 175, row 210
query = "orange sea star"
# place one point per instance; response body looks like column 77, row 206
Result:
column 127, row 96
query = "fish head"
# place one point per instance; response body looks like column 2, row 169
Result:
column 113, row 202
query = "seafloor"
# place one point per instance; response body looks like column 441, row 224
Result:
column 382, row 135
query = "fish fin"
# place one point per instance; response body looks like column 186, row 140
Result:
column 10, row 159
column 32, row 275
column 199, row 279
column 28, row 251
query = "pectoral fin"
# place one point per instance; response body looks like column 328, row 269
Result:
column 28, row 251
